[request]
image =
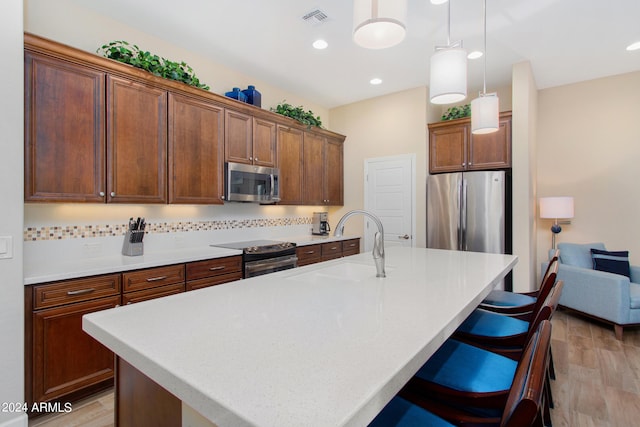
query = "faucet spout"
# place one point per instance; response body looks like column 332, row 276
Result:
column 378, row 238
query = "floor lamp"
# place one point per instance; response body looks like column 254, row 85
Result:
column 556, row 208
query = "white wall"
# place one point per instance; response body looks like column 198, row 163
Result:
column 379, row 127
column 589, row 148
column 11, row 190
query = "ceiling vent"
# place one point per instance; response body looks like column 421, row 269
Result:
column 316, row 16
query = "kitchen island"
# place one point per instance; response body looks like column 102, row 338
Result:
column 323, row 345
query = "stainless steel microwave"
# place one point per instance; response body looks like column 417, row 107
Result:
column 248, row 183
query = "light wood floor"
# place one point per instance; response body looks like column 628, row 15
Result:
column 597, row 380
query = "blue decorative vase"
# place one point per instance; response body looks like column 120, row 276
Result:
column 253, row 96
column 236, row 93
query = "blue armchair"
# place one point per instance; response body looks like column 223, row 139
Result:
column 608, row 297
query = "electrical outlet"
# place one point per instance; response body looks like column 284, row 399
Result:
column 6, row 247
column 92, row 248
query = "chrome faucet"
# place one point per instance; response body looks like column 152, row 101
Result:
column 378, row 238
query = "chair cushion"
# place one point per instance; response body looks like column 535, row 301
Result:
column 578, row 254
column 489, row 324
column 402, row 413
column 634, row 293
column 508, row 299
column 463, row 367
column 616, row 262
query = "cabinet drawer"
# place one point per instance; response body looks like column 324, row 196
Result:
column 147, row 294
column 308, row 254
column 213, row 280
column 152, row 277
column 214, row 267
column 76, row 290
column 331, row 250
column 350, row 247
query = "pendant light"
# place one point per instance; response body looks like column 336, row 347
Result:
column 485, row 110
column 378, row 24
column 448, row 70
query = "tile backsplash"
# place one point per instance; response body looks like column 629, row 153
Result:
column 62, row 232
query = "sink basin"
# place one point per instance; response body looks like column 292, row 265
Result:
column 346, row 271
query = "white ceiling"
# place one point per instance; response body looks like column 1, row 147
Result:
column 565, row 41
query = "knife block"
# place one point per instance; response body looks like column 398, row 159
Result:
column 133, row 244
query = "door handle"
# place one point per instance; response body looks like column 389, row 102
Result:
column 405, row 237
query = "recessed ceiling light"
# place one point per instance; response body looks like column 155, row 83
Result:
column 438, row 1
column 375, row 81
column 320, row 44
column 475, row 54
column 634, row 46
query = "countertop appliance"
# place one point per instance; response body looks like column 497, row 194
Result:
column 320, row 224
column 264, row 256
column 248, row 183
column 470, row 211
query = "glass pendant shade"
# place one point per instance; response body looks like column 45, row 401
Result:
column 485, row 114
column 378, row 24
column 448, row 76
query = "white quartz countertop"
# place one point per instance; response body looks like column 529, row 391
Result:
column 327, row 344
column 41, row 266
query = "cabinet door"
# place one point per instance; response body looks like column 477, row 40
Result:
column 290, row 164
column 238, row 137
column 313, row 169
column 65, row 358
column 264, row 142
column 447, row 148
column 196, row 142
column 136, row 142
column 334, row 173
column 64, row 131
column 491, row 150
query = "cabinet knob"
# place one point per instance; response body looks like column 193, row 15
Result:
column 221, row 197
column 255, row 158
column 251, row 158
column 113, row 194
column 101, row 194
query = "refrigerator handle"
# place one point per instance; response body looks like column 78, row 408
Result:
column 463, row 216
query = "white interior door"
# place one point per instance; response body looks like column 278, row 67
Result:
column 390, row 195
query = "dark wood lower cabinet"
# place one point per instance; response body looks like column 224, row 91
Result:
column 141, row 401
column 65, row 359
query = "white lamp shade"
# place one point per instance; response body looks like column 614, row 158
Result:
column 378, row 24
column 485, row 114
column 448, row 76
column 556, row 207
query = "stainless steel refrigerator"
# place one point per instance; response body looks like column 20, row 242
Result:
column 468, row 211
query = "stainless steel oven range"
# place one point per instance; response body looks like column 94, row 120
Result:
column 264, row 256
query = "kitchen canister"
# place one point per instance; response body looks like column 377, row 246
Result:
column 236, row 93
column 253, row 96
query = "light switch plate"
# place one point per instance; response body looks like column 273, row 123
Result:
column 6, row 247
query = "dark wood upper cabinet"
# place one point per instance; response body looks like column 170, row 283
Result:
column 323, row 170
column 136, row 142
column 314, row 146
column 97, row 130
column 334, row 172
column 196, row 135
column 238, row 137
column 290, row 160
column 264, row 142
column 64, row 131
column 453, row 148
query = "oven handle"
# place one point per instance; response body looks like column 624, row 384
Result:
column 271, row 263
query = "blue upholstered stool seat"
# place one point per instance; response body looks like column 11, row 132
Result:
column 508, row 299
column 402, row 413
column 489, row 324
column 463, row 367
